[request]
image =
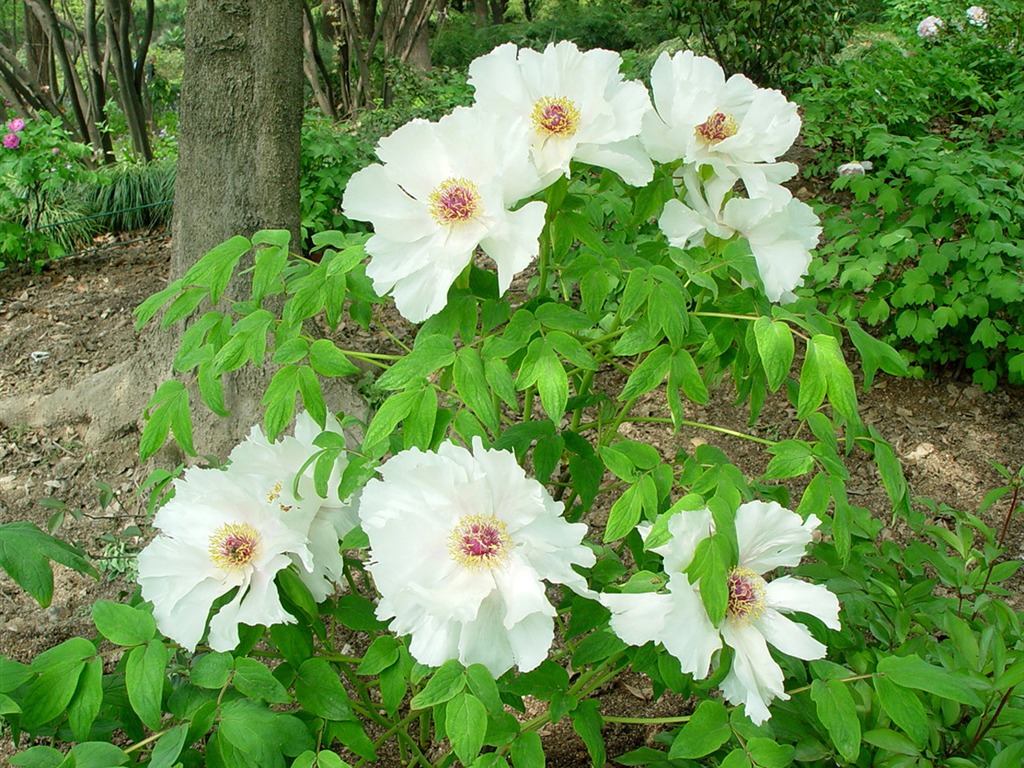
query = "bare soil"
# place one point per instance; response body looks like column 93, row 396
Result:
column 74, row 319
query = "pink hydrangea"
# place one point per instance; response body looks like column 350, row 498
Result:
column 929, row 27
column 16, row 124
column 11, row 141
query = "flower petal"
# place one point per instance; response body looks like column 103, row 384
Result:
column 755, row 679
column 514, row 243
column 789, row 637
column 770, row 536
column 788, row 595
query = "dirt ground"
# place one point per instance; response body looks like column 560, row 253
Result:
column 74, row 319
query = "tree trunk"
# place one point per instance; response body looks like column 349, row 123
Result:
column 241, row 120
column 238, row 172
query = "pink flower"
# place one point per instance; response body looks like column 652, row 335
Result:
column 16, row 124
column 56, row 150
column 11, row 141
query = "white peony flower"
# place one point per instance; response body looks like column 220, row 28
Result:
column 769, row 537
column 461, row 544
column 237, row 528
column 443, row 189
column 781, row 230
column 272, row 467
column 218, row 533
column 577, row 104
column 929, row 27
column 704, row 119
column 977, row 16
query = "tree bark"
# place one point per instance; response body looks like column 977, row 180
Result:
column 240, row 125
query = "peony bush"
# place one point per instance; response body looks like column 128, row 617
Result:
column 396, row 587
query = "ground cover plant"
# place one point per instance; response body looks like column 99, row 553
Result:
column 927, row 253
column 488, row 539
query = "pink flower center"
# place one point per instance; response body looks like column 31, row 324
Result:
column 556, row 116
column 455, row 200
column 747, row 591
column 234, row 545
column 479, row 541
column 718, row 127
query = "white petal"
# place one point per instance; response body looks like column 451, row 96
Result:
column 521, row 591
column 515, row 242
column 789, row 637
column 414, row 158
column 683, row 226
column 688, row 529
column 691, row 637
column 371, row 196
column 789, row 595
column 638, row 618
column 754, row 679
column 627, row 158
column 531, row 640
column 418, row 274
column 770, row 536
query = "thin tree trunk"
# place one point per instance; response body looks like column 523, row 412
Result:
column 314, row 67
column 118, row 17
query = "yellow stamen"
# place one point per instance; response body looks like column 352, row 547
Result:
column 234, row 545
column 556, row 116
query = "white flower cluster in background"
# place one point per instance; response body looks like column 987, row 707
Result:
column 236, row 529
column 977, row 16
column 929, row 27
column 444, row 189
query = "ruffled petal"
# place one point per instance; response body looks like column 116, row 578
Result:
column 627, row 158
column 770, row 536
column 371, row 196
column 688, row 529
column 691, row 637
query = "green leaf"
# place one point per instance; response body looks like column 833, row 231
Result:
column 627, row 510
column 790, row 458
column 838, row 713
column 145, row 311
column 766, row 753
column 1010, row 756
column 875, row 354
column 327, row 360
column 256, row 681
column 471, row 384
column 167, row 410
column 279, row 401
column 38, row 757
column 85, row 704
column 319, row 691
column 553, row 385
column 382, row 653
column 707, row 730
column 586, row 721
column 430, row 354
column 212, row 670
column 482, row 685
column 465, row 722
column 736, row 759
column 25, row 550
column 96, row 754
column 443, row 685
column 527, row 751
column 168, row 747
column 144, row 677
column 904, row 708
column 685, row 375
column 214, row 269
column 813, row 381
column 648, row 374
column 776, row 348
column 123, row 624
column 891, row 741
column 914, row 672
column 384, row 422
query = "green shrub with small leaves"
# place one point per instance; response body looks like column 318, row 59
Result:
column 930, row 252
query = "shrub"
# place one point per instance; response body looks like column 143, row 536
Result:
column 764, row 39
column 930, row 253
